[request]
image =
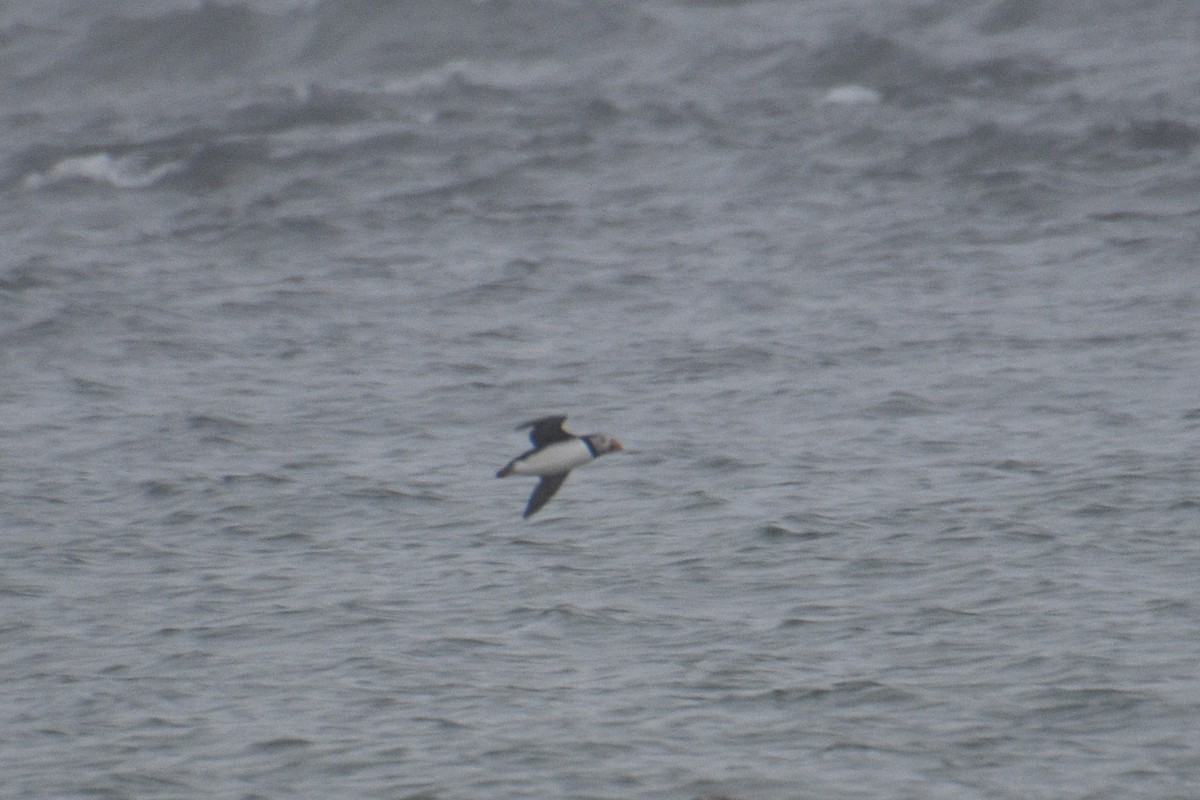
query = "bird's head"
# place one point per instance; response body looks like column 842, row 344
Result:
column 603, row 443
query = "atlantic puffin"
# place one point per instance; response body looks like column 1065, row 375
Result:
column 555, row 453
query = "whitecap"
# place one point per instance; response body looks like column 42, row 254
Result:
column 851, row 95
column 124, row 172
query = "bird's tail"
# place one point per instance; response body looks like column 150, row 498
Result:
column 504, row 473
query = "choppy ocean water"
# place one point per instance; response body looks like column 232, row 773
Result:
column 894, row 309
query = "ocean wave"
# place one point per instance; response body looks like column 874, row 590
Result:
column 326, row 39
column 212, row 39
column 194, row 166
column 860, row 66
column 121, row 172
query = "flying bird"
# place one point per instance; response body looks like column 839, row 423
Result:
column 555, row 453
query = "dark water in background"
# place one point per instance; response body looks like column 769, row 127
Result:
column 894, row 307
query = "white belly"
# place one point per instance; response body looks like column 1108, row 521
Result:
column 556, row 458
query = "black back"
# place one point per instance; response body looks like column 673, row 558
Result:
column 547, row 430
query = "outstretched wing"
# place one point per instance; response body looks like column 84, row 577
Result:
column 547, row 430
column 542, row 493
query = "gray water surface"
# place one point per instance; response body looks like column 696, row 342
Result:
column 894, row 310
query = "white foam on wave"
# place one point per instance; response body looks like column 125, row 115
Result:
column 851, row 95
column 502, row 75
column 123, row 172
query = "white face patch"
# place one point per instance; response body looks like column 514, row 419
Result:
column 553, row 459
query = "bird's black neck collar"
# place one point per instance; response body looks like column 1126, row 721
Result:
column 587, row 442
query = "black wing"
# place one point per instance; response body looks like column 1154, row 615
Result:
column 547, row 430
column 542, row 493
